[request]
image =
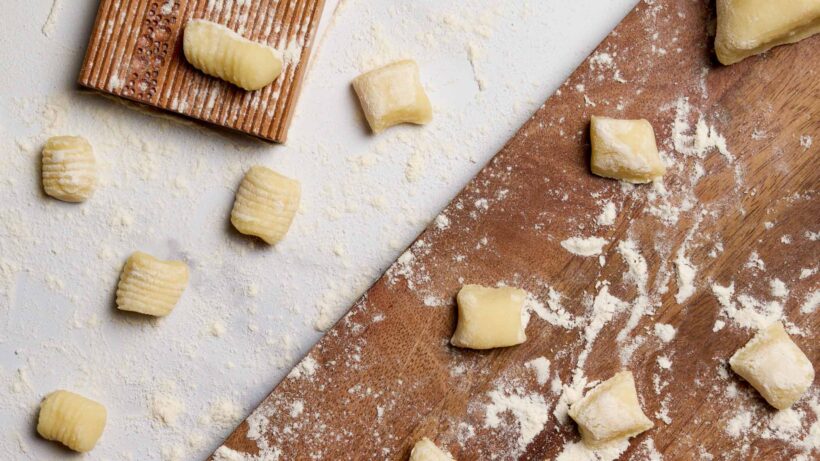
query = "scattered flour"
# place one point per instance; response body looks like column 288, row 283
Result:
column 665, row 332
column 755, row 262
column 223, row 413
column 778, row 288
column 811, row 303
column 751, row 312
column 608, row 215
column 541, row 367
column 166, row 408
column 638, row 274
column 739, row 424
column 442, row 222
column 530, row 413
column 577, row 451
column 686, row 276
column 589, row 246
column 305, row 369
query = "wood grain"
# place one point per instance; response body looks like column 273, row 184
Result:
column 135, row 51
column 385, row 375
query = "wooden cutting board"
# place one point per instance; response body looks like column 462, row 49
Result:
column 135, row 52
column 385, row 376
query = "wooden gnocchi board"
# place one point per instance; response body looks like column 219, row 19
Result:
column 385, row 376
column 135, row 52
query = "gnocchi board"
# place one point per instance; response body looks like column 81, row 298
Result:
column 135, row 52
column 384, row 376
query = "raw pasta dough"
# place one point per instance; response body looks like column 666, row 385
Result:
column 151, row 286
column 69, row 168
column 71, row 419
column 775, row 366
column 265, row 204
column 425, row 450
column 489, row 317
column 610, row 411
column 749, row 27
column 625, row 150
column 393, row 94
column 221, row 52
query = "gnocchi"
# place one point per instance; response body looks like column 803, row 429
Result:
column 265, row 204
column 71, row 419
column 151, row 286
column 69, row 168
column 426, row 450
column 625, row 150
column 610, row 412
column 223, row 53
column 489, row 317
column 749, row 27
column 393, row 94
column 773, row 364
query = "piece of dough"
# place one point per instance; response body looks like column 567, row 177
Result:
column 265, row 204
column 610, row 411
column 69, row 168
column 425, row 450
column 393, row 94
column 151, row 286
column 489, row 317
column 775, row 366
column 749, row 27
column 625, row 150
column 71, row 419
column 221, row 52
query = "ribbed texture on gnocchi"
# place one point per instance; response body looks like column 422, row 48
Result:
column 151, row 286
column 69, row 168
column 221, row 52
column 71, row 419
column 265, row 205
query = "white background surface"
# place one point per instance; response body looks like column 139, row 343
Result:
column 250, row 311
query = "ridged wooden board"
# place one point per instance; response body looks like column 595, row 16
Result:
column 385, row 376
column 135, row 51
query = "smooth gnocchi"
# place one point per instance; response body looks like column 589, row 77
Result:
column 223, row 53
column 749, row 27
column 393, row 94
column 489, row 317
column 775, row 366
column 71, row 419
column 265, row 204
column 151, row 286
column 69, row 168
column 426, row 450
column 610, row 411
column 625, row 150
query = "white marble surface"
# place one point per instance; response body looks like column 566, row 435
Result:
column 250, row 312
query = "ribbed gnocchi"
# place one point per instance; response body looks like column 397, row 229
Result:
column 223, row 53
column 151, row 286
column 393, row 94
column 69, row 168
column 265, row 204
column 71, row 419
